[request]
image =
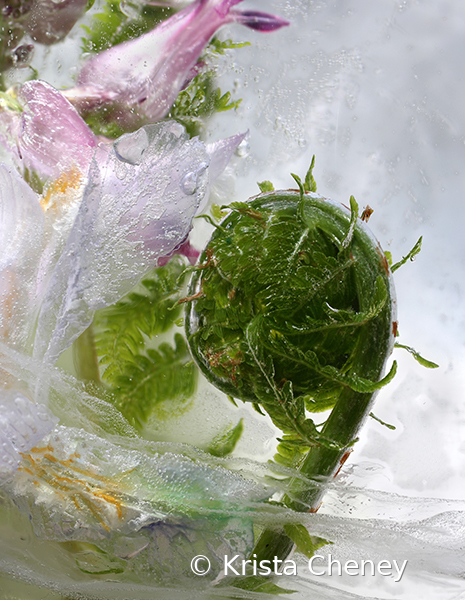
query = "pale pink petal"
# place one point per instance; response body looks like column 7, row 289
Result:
column 221, row 152
column 53, row 137
column 142, row 195
column 21, row 239
column 147, row 74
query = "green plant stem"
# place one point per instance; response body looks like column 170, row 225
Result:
column 85, row 357
column 321, row 463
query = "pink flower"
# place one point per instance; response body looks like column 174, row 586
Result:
column 146, row 74
column 52, row 135
column 109, row 211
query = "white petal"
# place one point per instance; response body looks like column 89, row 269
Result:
column 221, row 152
column 142, row 195
column 22, row 425
column 21, row 234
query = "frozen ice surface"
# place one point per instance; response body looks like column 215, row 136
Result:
column 22, row 425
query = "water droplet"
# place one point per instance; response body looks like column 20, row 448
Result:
column 189, row 183
column 130, row 147
column 243, row 149
column 129, row 9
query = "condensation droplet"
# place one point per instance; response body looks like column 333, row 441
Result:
column 243, row 149
column 189, row 183
column 129, row 9
column 130, row 147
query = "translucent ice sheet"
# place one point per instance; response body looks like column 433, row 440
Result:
column 375, row 90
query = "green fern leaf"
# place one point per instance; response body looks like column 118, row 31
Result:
column 306, row 544
column 225, row 442
column 149, row 380
column 121, row 330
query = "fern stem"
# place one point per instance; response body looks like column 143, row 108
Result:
column 85, row 357
column 322, row 462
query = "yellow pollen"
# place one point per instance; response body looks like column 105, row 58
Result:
column 84, row 488
column 67, row 181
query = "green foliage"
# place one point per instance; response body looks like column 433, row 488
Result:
column 290, row 450
column 388, row 425
column 112, row 26
column 219, row 47
column 216, row 212
column 306, row 544
column 200, row 100
column 310, row 183
column 410, row 256
column 93, row 560
column 139, row 376
column 104, row 120
column 150, row 379
column 265, row 186
column 224, row 443
column 32, row 178
column 423, row 361
column 290, row 295
column 121, row 330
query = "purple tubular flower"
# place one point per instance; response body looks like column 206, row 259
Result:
column 146, row 74
column 260, row 21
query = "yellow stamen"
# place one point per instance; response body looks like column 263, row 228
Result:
column 68, row 181
column 84, row 488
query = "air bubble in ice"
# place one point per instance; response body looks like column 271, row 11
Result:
column 129, row 9
column 130, row 148
column 189, row 183
column 243, row 149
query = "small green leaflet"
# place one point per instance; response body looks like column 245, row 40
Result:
column 306, row 544
column 310, row 183
column 423, row 361
column 410, row 256
column 151, row 309
column 164, row 374
column 142, row 375
column 388, row 425
column 200, row 100
column 225, row 442
column 353, row 220
column 265, row 186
